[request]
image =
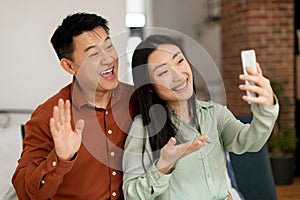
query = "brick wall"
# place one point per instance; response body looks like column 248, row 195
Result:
column 268, row 27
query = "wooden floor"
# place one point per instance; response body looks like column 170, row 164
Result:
column 289, row 192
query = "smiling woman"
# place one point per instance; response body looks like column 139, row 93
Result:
column 180, row 140
column 170, row 75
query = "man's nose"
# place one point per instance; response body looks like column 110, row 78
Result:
column 107, row 58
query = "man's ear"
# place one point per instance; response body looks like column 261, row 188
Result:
column 66, row 64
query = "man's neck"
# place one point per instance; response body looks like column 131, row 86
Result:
column 99, row 99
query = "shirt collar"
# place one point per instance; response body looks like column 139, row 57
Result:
column 199, row 105
column 203, row 104
column 78, row 100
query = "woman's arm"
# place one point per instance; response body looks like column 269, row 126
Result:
column 141, row 184
column 138, row 184
column 238, row 137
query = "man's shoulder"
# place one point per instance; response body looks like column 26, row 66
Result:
column 47, row 106
column 129, row 95
column 125, row 87
column 127, row 91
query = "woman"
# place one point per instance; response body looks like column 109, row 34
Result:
column 175, row 148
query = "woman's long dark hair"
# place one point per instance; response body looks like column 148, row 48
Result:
column 159, row 129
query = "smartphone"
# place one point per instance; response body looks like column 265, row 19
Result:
column 249, row 60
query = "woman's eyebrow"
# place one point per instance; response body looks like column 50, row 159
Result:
column 176, row 54
column 158, row 66
column 173, row 57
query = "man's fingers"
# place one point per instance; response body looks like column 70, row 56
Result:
column 68, row 113
column 56, row 117
column 79, row 127
column 61, row 107
column 53, row 128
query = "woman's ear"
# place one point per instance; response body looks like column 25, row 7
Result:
column 150, row 90
column 66, row 64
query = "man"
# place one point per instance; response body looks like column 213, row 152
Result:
column 74, row 141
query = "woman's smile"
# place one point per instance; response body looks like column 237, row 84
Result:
column 181, row 86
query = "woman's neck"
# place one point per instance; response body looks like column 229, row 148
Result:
column 182, row 109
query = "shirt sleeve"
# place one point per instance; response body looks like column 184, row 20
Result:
column 238, row 137
column 138, row 183
column 39, row 172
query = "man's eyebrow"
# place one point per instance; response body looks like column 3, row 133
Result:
column 94, row 46
column 89, row 47
column 108, row 38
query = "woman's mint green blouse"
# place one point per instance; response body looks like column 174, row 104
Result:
column 200, row 175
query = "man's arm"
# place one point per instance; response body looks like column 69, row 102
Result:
column 41, row 170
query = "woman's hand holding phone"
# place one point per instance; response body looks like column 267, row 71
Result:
column 257, row 87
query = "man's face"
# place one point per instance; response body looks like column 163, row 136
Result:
column 95, row 61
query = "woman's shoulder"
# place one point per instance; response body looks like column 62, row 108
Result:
column 208, row 104
column 211, row 107
column 138, row 119
column 137, row 129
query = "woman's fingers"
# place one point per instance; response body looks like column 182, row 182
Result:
column 259, row 70
column 188, row 148
column 197, row 143
column 262, row 87
column 171, row 142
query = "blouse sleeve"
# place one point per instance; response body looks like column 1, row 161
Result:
column 138, row 183
column 238, row 137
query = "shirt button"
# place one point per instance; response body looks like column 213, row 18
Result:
column 106, row 112
column 54, row 163
column 114, row 194
column 208, row 175
column 109, row 132
column 214, row 197
column 112, row 153
column 42, row 182
column 114, row 173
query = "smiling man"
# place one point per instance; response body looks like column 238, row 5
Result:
column 73, row 144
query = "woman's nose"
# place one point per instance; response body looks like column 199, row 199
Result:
column 177, row 74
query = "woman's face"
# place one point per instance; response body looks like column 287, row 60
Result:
column 170, row 74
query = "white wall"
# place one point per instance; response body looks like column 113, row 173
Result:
column 30, row 71
column 189, row 18
column 183, row 16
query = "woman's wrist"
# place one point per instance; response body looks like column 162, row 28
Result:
column 164, row 168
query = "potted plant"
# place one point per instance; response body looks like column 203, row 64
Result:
column 283, row 141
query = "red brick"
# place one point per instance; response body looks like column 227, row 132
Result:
column 267, row 27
